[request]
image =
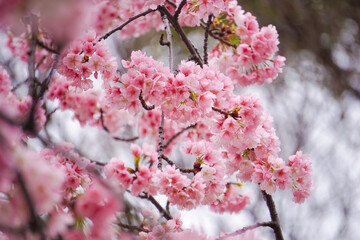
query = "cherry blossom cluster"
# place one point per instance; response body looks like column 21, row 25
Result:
column 247, row 54
column 197, row 10
column 112, row 13
column 186, row 97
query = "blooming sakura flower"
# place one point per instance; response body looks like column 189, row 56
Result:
column 116, row 169
column 232, row 201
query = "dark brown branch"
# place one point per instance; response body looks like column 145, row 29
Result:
column 243, row 230
column 167, row 159
column 193, row 51
column 213, row 35
column 206, row 38
column 232, row 114
column 162, row 42
column 178, row 134
column 171, row 3
column 274, row 215
column 49, row 49
column 143, row 103
column 165, row 213
column 183, row 170
column 178, row 10
column 104, row 37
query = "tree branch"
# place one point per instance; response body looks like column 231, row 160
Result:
column 274, row 215
column 245, row 229
column 161, row 140
column 178, row 10
column 193, row 51
column 178, row 134
column 169, row 39
column 41, row 44
column 104, row 37
column 107, row 130
column 143, row 103
column 206, row 38
column 165, row 213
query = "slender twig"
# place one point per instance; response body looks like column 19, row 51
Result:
column 104, row 37
column 193, row 51
column 126, row 139
column 162, row 42
column 213, row 35
column 165, row 213
column 49, row 49
column 274, row 215
column 143, row 103
column 169, row 40
column 183, row 170
column 206, row 38
column 233, row 114
column 132, row 228
column 178, row 134
column 107, row 130
column 161, row 140
column 171, row 3
column 178, row 10
column 243, row 230
column 167, row 159
column 30, row 123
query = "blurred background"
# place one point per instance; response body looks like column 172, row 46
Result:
column 315, row 104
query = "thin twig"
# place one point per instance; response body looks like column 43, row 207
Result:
column 183, row 170
column 143, row 103
column 274, row 215
column 178, row 134
column 167, row 159
column 49, row 49
column 161, row 140
column 243, row 230
column 171, row 3
column 132, row 228
column 169, row 40
column 107, row 130
column 206, row 38
column 165, row 213
column 104, row 37
column 30, row 123
column 211, row 33
column 193, row 51
column 178, row 10
column 233, row 114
